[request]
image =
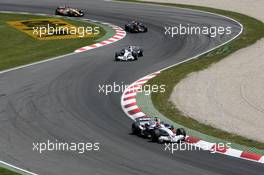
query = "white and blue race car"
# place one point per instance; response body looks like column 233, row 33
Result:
column 130, row 53
column 164, row 134
column 157, row 131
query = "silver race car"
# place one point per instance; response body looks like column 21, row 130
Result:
column 164, row 134
column 130, row 53
column 157, row 131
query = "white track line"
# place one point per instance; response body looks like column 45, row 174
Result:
column 117, row 30
column 114, row 27
column 229, row 152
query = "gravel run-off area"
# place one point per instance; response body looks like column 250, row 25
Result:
column 228, row 95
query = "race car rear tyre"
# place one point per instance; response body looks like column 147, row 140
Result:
column 135, row 55
column 71, row 14
column 131, row 30
column 181, row 131
column 134, row 129
column 155, row 135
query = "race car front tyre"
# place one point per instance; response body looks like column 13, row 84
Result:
column 140, row 53
column 116, row 57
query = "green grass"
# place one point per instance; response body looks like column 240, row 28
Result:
column 18, row 48
column 4, row 171
column 253, row 31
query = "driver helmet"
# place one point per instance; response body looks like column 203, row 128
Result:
column 146, row 125
column 130, row 48
column 157, row 120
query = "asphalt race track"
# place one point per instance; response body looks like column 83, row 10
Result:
column 60, row 99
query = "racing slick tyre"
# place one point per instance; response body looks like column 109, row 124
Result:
column 147, row 133
column 140, row 53
column 71, row 14
column 181, row 131
column 126, row 28
column 134, row 129
column 116, row 57
column 131, row 30
column 146, row 30
column 135, row 55
column 155, row 135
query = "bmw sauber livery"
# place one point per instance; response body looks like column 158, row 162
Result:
column 129, row 54
column 157, row 131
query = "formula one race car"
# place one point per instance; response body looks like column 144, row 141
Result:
column 164, row 134
column 135, row 27
column 157, row 131
column 129, row 53
column 67, row 11
column 142, row 126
